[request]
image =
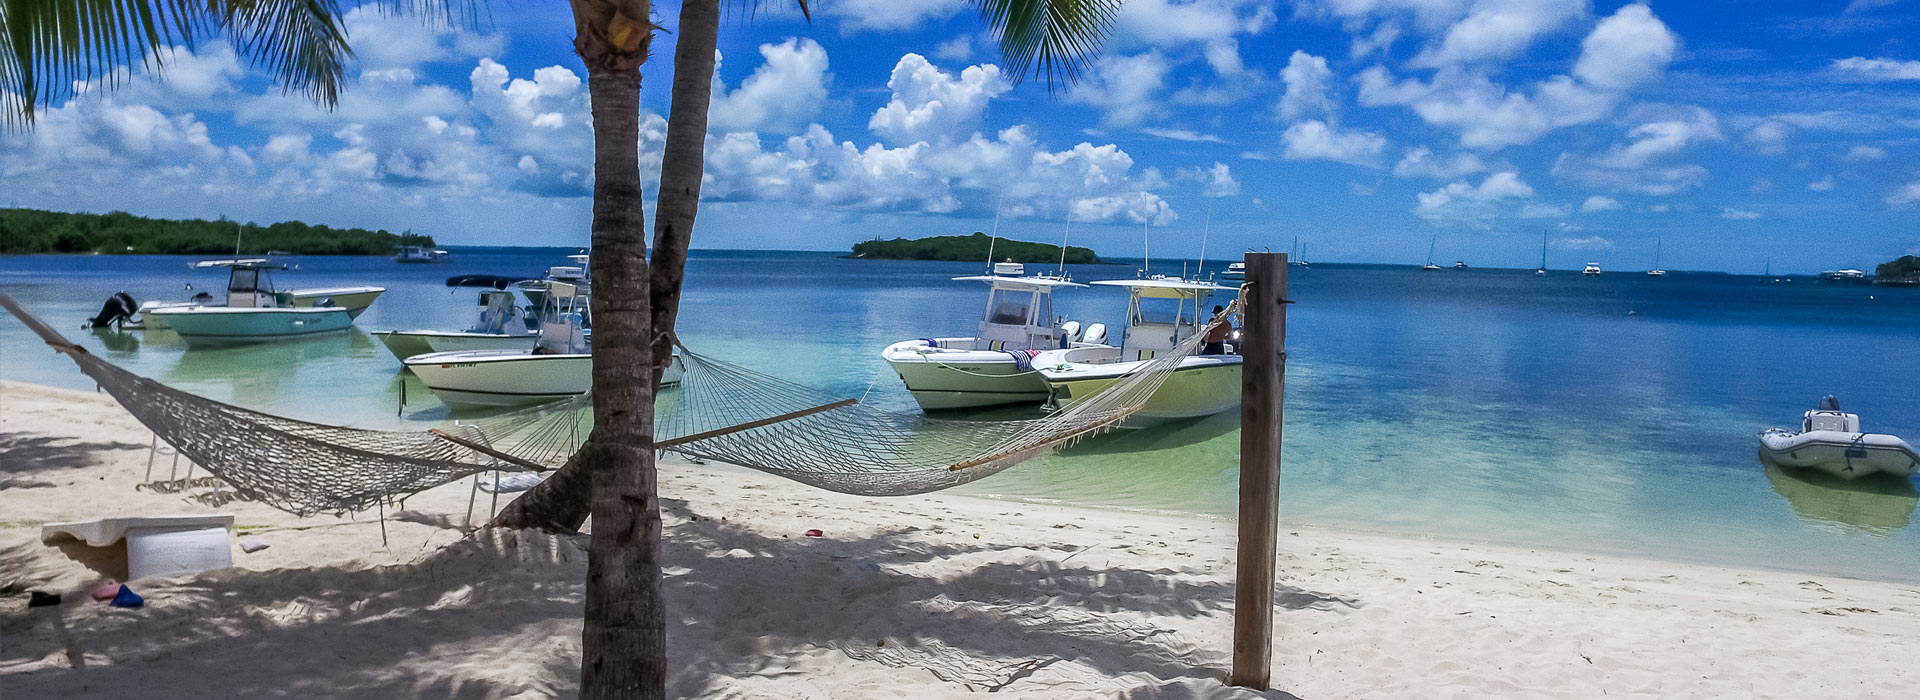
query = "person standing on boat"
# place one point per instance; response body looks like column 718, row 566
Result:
column 1217, row 337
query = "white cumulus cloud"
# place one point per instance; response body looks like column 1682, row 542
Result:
column 1306, row 77
column 1599, row 203
column 782, row 95
column 1315, row 140
column 929, row 104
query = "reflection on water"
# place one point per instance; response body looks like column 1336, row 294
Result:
column 118, row 343
column 1876, row 504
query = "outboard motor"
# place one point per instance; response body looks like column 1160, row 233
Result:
column 1070, row 332
column 116, row 311
column 1096, row 334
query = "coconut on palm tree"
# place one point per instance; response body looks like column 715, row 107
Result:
column 47, row 46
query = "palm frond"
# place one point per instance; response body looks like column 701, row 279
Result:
column 299, row 41
column 1051, row 38
column 47, row 46
column 51, row 48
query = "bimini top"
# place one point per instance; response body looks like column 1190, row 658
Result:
column 494, row 281
column 1168, row 287
column 1033, row 282
column 254, row 263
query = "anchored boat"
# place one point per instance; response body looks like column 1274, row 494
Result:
column 994, row 366
column 1161, row 313
column 558, row 366
column 501, row 324
column 254, row 311
column 1831, row 441
column 251, row 274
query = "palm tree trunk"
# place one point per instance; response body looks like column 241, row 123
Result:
column 682, row 167
column 623, row 649
column 557, row 504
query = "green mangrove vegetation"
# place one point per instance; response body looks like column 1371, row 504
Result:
column 971, row 248
column 25, row 231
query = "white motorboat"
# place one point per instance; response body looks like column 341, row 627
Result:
column 501, row 324
column 1591, row 269
column 994, row 366
column 252, row 272
column 1161, row 312
column 558, row 366
column 254, row 311
column 421, row 254
column 1831, row 441
column 1235, row 271
column 577, row 273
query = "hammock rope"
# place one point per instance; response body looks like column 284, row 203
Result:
column 719, row 411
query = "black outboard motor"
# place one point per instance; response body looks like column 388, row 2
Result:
column 116, row 311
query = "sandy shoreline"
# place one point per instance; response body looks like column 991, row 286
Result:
column 927, row 596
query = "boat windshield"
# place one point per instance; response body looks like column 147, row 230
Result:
column 1159, row 311
column 247, row 279
column 1009, row 307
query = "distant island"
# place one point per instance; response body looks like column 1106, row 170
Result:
column 27, row 231
column 1904, row 271
column 971, row 248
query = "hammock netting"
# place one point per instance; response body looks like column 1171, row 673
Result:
column 718, row 411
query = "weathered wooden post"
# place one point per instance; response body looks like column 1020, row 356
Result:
column 1262, row 387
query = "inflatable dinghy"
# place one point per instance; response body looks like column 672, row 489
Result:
column 1831, row 441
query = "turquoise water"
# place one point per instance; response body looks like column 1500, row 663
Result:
column 1615, row 414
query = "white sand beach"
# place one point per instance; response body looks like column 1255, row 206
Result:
column 914, row 597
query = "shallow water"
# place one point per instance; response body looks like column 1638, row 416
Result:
column 1613, row 414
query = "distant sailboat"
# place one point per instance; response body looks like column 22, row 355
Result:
column 1543, row 253
column 1299, row 258
column 1656, row 271
column 1430, row 245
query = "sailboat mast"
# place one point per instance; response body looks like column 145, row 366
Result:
column 1543, row 248
column 1430, row 246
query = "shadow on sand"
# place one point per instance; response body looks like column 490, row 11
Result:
column 498, row 616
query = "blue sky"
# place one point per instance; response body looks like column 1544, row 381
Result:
column 1735, row 132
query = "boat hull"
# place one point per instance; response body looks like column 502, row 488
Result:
column 217, row 325
column 405, row 344
column 1845, row 455
column 354, row 299
column 495, row 378
column 1202, row 385
column 947, row 379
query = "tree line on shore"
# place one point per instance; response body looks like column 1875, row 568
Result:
column 29, row 231
column 969, row 248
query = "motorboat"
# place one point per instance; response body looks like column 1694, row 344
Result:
column 1161, row 313
column 251, row 273
column 577, row 273
column 558, row 366
column 254, row 311
column 1235, row 271
column 421, row 254
column 1459, row 264
column 992, row 367
column 500, row 324
column 1591, row 269
column 1831, row 441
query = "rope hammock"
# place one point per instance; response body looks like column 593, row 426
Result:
column 719, row 411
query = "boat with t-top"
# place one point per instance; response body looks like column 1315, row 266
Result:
column 500, row 324
column 1162, row 312
column 994, row 366
column 558, row 366
column 254, row 311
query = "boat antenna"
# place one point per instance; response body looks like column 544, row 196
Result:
column 1146, row 248
column 1204, row 228
column 1063, row 241
column 996, row 230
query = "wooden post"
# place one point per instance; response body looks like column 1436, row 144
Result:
column 1262, row 388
